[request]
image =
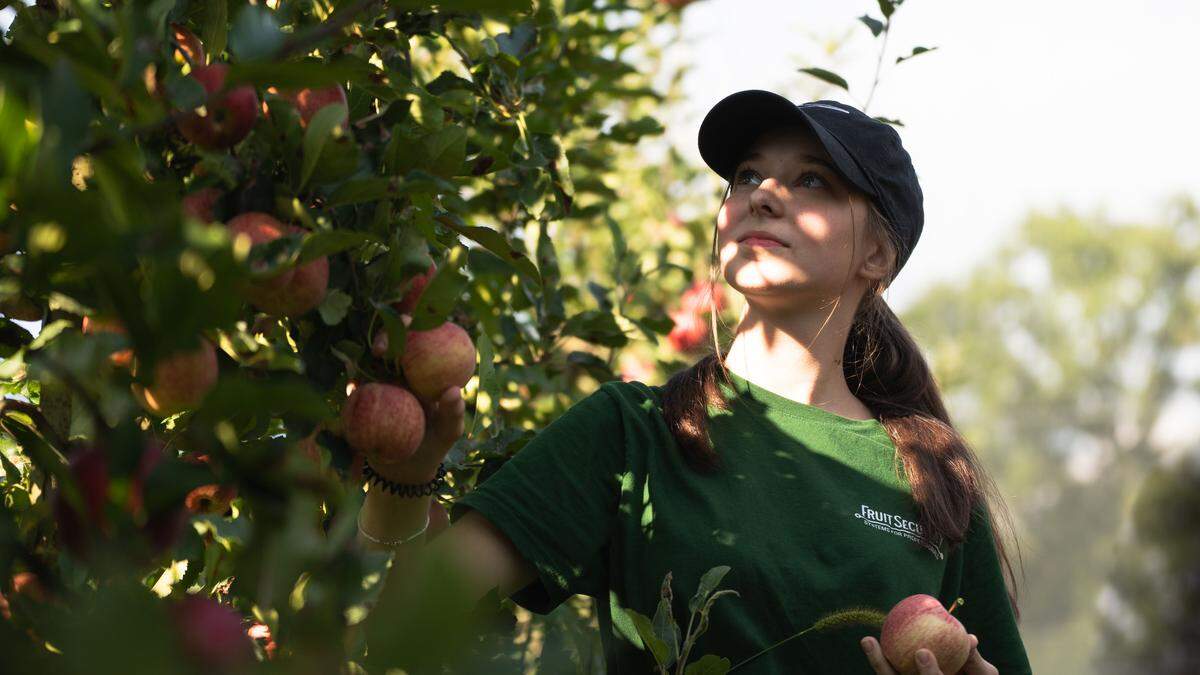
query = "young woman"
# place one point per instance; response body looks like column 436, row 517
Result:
column 814, row 456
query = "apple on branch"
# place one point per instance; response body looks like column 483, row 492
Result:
column 180, row 382
column 291, row 292
column 201, row 204
column 122, row 358
column 226, row 118
column 438, row 358
column 384, row 421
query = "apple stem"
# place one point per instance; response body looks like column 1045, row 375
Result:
column 955, row 604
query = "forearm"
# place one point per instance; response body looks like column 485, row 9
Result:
column 388, row 517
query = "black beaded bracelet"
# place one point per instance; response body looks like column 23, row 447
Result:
column 403, row 489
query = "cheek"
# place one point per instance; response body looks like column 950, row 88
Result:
column 732, row 211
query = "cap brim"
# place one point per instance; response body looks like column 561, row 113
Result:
column 738, row 119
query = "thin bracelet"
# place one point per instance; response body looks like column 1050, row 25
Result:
column 390, row 544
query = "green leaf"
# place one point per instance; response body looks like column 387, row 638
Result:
column 916, row 51
column 596, row 326
column 494, row 242
column 396, row 331
column 275, row 393
column 360, row 190
column 446, row 150
column 708, row 664
column 708, row 583
column 329, row 242
column 886, row 120
column 490, row 7
column 593, row 365
column 875, row 25
column 334, row 307
column 887, row 7
column 442, row 294
column 488, row 381
column 216, row 27
column 831, row 78
column 320, row 128
column 294, row 74
column 184, row 93
column 645, row 629
column 255, row 33
column 667, row 630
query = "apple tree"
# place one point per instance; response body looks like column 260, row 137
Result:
column 221, row 219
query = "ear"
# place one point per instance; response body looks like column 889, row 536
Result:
column 876, row 263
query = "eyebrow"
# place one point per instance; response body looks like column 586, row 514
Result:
column 810, row 158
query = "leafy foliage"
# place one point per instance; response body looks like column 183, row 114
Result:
column 481, row 137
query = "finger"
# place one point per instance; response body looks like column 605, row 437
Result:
column 447, row 418
column 875, row 656
column 976, row 665
column 927, row 664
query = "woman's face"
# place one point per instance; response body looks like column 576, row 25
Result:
column 787, row 188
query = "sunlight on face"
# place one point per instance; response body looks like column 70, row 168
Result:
column 788, row 191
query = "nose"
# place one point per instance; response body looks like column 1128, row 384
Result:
column 764, row 201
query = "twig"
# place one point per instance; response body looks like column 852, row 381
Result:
column 303, row 41
column 879, row 63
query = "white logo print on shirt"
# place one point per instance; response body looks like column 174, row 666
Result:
column 895, row 525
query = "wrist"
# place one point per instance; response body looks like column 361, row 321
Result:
column 409, row 483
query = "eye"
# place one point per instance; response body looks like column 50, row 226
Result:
column 805, row 178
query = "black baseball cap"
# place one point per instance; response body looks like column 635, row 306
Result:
column 866, row 151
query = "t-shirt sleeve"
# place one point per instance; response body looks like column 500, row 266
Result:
column 986, row 611
column 556, row 500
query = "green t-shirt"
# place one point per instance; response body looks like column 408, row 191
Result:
column 811, row 512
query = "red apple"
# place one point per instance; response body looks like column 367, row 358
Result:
column 181, row 381
column 25, row 587
column 121, row 358
column 700, row 296
column 189, row 47
column 384, row 421
column 416, row 287
column 261, row 228
column 920, row 622
column 309, row 101
column 227, row 116
column 689, row 331
column 199, row 204
column 302, row 294
column 291, row 292
column 211, row 634
column 211, row 498
column 438, row 358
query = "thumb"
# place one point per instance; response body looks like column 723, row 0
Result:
column 446, row 416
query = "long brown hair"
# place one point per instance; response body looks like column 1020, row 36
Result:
column 885, row 369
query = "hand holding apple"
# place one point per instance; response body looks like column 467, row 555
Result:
column 920, row 637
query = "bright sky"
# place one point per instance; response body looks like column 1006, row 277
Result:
column 1026, row 104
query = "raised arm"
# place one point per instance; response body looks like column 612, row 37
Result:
column 480, row 552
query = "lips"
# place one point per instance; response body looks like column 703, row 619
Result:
column 761, row 237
